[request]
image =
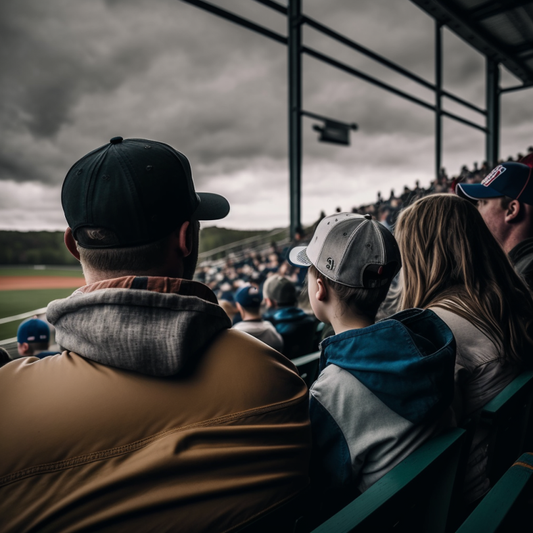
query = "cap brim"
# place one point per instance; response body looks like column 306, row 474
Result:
column 476, row 191
column 298, row 257
column 212, row 206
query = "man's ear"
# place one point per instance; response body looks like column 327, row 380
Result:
column 185, row 238
column 513, row 211
column 70, row 243
column 321, row 291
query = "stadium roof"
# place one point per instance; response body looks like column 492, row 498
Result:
column 500, row 29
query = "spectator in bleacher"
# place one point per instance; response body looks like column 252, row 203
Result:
column 157, row 416
column 454, row 266
column 296, row 327
column 505, row 200
column 248, row 300
column 383, row 215
column 230, row 309
column 33, row 339
column 384, row 388
column 4, row 357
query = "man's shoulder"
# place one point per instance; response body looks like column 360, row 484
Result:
column 522, row 257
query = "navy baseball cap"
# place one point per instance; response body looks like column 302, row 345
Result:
column 249, row 296
column 33, row 330
column 139, row 189
column 508, row 179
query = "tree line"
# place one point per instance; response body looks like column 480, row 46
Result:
column 47, row 248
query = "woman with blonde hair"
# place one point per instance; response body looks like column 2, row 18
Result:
column 453, row 265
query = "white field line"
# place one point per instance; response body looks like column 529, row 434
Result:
column 29, row 314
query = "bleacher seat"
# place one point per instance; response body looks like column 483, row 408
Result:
column 414, row 496
column 507, row 507
column 307, row 366
column 508, row 419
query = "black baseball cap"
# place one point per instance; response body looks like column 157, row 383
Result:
column 139, row 189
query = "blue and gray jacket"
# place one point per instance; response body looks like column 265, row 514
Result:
column 382, row 391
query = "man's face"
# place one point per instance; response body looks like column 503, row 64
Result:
column 494, row 216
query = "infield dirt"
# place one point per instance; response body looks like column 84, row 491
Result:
column 14, row 283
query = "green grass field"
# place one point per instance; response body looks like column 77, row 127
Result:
column 18, row 302
column 23, row 301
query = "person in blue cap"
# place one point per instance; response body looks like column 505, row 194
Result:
column 505, row 201
column 248, row 300
column 33, row 339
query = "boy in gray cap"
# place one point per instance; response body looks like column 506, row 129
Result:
column 386, row 387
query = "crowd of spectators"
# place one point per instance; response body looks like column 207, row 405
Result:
column 254, row 267
column 157, row 387
column 387, row 210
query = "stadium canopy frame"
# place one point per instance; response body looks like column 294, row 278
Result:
column 501, row 30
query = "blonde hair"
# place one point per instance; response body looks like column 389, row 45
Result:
column 452, row 261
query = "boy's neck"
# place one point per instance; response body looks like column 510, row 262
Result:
column 348, row 321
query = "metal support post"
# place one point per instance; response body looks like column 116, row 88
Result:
column 438, row 98
column 493, row 112
column 294, row 20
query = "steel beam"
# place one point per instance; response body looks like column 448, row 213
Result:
column 294, row 23
column 493, row 112
column 438, row 98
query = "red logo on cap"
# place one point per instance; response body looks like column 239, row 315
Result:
column 498, row 171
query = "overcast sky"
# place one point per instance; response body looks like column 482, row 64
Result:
column 76, row 73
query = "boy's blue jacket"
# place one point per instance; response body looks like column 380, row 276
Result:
column 382, row 391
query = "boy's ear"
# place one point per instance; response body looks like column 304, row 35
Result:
column 23, row 348
column 269, row 302
column 321, row 291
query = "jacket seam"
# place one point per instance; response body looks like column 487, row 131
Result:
column 117, row 451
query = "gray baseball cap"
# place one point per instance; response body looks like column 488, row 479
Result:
column 353, row 250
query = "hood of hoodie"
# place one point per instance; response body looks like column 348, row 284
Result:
column 154, row 326
column 289, row 314
column 407, row 361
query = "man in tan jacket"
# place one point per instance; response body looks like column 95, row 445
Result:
column 157, row 416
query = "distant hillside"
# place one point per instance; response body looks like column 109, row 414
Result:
column 47, row 248
column 213, row 237
column 34, row 248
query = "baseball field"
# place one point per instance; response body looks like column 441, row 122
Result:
column 24, row 289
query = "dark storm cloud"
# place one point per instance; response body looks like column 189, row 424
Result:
column 75, row 74
column 231, row 82
column 58, row 57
